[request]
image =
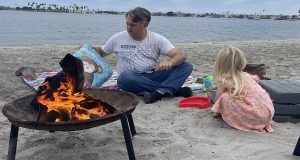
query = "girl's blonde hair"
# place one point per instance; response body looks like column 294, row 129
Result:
column 228, row 69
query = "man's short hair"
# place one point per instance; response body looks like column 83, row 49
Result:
column 139, row 14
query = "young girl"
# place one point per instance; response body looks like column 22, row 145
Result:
column 240, row 100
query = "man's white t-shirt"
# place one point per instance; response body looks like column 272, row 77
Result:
column 138, row 56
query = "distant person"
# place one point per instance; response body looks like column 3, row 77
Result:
column 240, row 100
column 138, row 51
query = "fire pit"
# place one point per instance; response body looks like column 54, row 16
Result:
column 22, row 114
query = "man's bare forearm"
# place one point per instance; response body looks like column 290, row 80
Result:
column 100, row 51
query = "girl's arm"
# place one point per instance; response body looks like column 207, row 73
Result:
column 220, row 90
column 256, row 78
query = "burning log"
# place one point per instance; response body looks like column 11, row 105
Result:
column 73, row 67
column 61, row 97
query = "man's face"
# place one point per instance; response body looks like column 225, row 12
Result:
column 135, row 29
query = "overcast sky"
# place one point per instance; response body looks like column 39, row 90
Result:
column 290, row 7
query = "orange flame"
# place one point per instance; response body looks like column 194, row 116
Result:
column 65, row 99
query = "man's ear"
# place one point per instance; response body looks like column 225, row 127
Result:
column 146, row 24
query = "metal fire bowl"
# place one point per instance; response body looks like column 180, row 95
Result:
column 20, row 113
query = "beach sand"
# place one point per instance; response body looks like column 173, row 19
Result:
column 164, row 131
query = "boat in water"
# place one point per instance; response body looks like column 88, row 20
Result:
column 254, row 16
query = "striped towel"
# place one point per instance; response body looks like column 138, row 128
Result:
column 40, row 78
column 111, row 83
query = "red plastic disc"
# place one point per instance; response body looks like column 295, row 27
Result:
column 196, row 101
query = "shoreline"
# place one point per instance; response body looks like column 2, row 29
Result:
column 249, row 16
column 292, row 40
column 164, row 131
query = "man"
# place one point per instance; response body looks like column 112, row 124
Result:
column 138, row 51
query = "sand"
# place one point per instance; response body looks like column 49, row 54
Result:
column 164, row 131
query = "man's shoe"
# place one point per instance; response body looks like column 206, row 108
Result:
column 184, row 92
column 150, row 97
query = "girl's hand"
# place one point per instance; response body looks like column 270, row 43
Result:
column 217, row 115
column 220, row 90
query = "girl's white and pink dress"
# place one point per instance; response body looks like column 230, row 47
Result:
column 253, row 112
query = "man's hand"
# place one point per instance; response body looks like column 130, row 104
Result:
column 80, row 45
column 97, row 49
column 100, row 51
column 163, row 66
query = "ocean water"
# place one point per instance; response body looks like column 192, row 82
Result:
column 38, row 28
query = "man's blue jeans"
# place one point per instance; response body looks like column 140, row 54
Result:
column 169, row 81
